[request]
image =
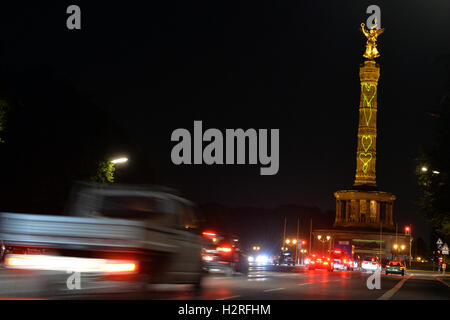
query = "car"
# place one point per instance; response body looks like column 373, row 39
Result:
column 288, row 260
column 395, row 267
column 221, row 253
column 370, row 264
column 341, row 261
column 310, row 261
column 321, row 262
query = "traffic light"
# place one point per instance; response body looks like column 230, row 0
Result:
column 407, row 230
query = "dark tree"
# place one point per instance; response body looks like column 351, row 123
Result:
column 433, row 170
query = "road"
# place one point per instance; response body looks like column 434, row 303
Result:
column 262, row 283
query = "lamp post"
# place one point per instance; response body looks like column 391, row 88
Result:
column 408, row 231
column 396, row 250
column 323, row 240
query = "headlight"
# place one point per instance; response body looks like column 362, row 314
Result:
column 261, row 259
column 250, row 259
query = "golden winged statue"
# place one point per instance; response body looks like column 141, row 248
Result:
column 371, row 44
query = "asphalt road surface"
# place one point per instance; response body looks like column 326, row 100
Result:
column 262, row 283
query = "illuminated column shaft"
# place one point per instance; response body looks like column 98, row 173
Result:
column 366, row 150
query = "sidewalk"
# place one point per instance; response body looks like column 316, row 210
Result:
column 429, row 273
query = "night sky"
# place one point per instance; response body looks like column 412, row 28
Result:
column 156, row 66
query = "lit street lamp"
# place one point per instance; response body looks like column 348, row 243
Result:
column 323, row 240
column 119, row 160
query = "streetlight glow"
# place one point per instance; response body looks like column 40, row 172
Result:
column 319, row 237
column 119, row 160
column 395, row 246
column 424, row 169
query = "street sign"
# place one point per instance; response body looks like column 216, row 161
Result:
column 439, row 242
column 445, row 249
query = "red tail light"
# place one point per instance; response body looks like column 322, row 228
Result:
column 209, row 234
column 224, row 249
column 119, row 267
column 337, row 251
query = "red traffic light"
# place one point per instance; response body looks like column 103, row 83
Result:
column 303, row 242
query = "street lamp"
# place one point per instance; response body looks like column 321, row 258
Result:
column 424, row 169
column 119, row 160
column 320, row 238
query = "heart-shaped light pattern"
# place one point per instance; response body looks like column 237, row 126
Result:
column 368, row 88
column 366, row 142
column 365, row 159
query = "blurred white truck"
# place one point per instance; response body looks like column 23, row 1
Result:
column 146, row 234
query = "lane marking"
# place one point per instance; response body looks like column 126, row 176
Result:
column 228, row 298
column 442, row 281
column 388, row 294
column 274, row 289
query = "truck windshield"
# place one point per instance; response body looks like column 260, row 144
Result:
column 132, row 207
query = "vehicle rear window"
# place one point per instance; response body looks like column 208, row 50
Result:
column 132, row 207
